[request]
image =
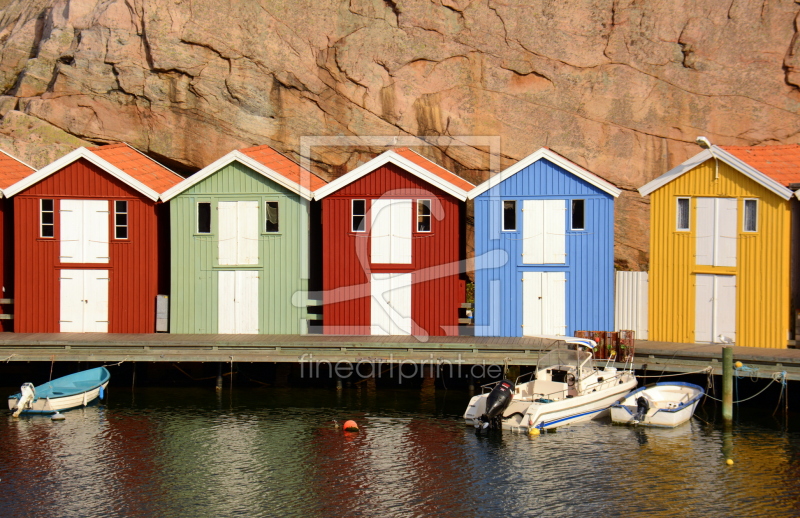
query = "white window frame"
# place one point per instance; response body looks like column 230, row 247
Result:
column 503, row 216
column 127, row 220
column 678, row 214
column 41, row 221
column 744, row 215
column 420, row 203
column 572, row 214
column 353, row 215
column 264, row 228
column 210, row 218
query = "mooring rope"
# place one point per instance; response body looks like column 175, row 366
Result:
column 118, row 363
column 774, row 379
column 7, row 359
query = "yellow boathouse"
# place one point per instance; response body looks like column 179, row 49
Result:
column 721, row 247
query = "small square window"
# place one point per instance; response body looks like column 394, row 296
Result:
column 509, row 215
column 683, row 214
column 47, row 218
column 272, row 216
column 423, row 215
column 121, row 219
column 578, row 214
column 750, row 223
column 359, row 215
column 204, row 218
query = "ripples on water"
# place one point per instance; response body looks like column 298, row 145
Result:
column 275, row 452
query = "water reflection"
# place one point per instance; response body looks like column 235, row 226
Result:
column 267, row 452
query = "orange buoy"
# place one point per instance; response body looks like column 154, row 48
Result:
column 350, row 426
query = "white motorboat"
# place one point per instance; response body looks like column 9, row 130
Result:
column 666, row 404
column 567, row 387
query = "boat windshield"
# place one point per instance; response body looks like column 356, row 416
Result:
column 564, row 356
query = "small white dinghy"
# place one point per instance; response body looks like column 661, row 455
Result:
column 666, row 404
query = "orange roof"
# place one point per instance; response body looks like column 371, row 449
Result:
column 138, row 166
column 284, row 167
column 441, row 172
column 781, row 163
column 12, row 170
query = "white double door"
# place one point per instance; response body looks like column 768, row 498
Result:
column 716, row 236
column 238, row 233
column 391, row 231
column 237, row 294
column 84, row 231
column 544, row 303
column 544, row 231
column 84, row 301
column 390, row 303
column 715, row 308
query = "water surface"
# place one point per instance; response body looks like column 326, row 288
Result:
column 277, row 452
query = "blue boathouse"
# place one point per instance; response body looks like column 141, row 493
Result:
column 544, row 249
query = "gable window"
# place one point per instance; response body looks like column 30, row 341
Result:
column 359, row 215
column 750, row 223
column 578, row 215
column 423, row 215
column 682, row 219
column 47, row 218
column 509, row 215
column 272, row 216
column 121, row 219
column 204, row 218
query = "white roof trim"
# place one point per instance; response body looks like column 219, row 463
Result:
column 237, row 156
column 556, row 159
column 79, row 153
column 394, row 158
column 707, row 154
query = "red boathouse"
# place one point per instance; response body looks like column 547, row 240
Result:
column 90, row 243
column 393, row 241
column 12, row 170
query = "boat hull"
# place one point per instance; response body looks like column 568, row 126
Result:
column 71, row 391
column 53, row 405
column 521, row 416
column 671, row 405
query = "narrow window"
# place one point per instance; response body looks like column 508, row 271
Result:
column 121, row 219
column 204, row 218
column 683, row 214
column 48, row 218
column 423, row 215
column 272, row 216
column 359, row 215
column 509, row 215
column 578, row 214
column 750, row 215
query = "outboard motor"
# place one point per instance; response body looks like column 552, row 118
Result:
column 496, row 403
column 27, row 395
column 642, row 406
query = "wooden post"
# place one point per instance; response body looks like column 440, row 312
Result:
column 727, row 383
column 219, row 377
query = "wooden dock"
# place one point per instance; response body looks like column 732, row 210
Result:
column 654, row 357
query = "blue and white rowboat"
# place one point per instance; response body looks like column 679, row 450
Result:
column 70, row 391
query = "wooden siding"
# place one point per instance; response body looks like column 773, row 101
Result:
column 762, row 260
column 7, row 260
column 282, row 262
column 589, row 266
column 436, row 290
column 133, row 264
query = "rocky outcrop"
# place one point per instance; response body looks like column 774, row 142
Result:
column 621, row 87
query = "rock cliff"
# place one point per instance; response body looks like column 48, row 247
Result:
column 621, row 87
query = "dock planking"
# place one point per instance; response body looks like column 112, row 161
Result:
column 654, row 357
